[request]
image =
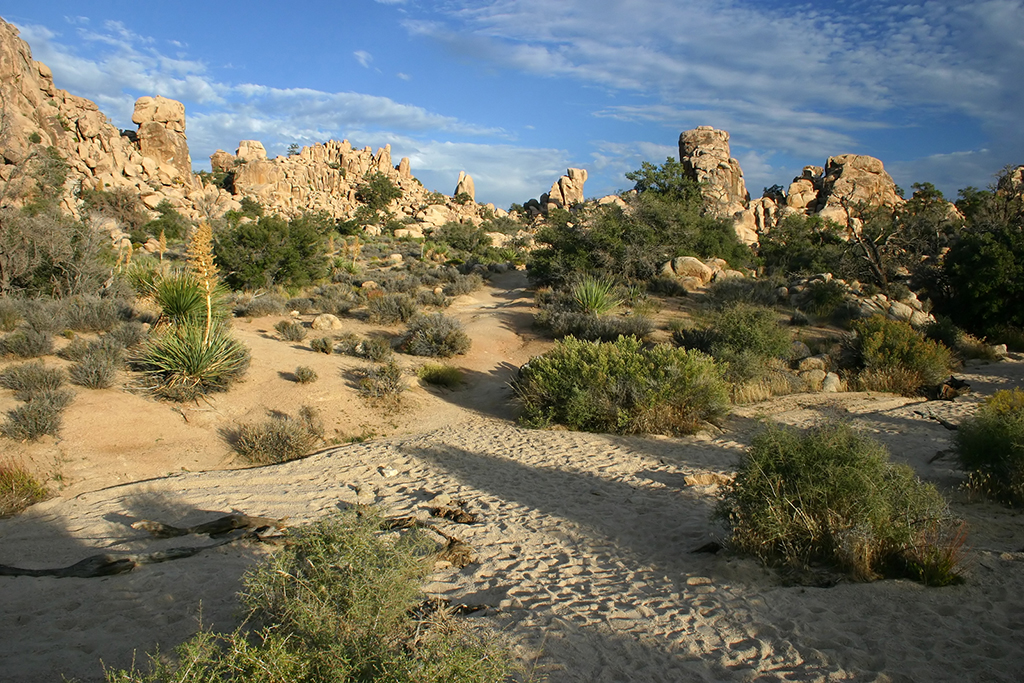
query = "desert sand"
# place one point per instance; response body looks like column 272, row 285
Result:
column 584, row 546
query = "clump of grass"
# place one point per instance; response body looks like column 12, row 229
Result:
column 127, row 334
column 305, row 375
column 382, row 382
column 322, row 345
column 621, row 387
column 92, row 313
column 290, row 330
column 594, row 295
column 44, row 315
column 340, row 602
column 990, row 447
column 436, row 335
column 95, row 371
column 441, row 375
column 27, row 342
column 830, row 495
column 18, row 488
column 391, row 308
column 31, row 379
column 184, row 366
column 280, row 438
column 895, row 357
column 41, row 416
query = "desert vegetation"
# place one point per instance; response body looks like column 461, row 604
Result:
column 990, row 447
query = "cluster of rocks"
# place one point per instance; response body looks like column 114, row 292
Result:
column 846, row 181
column 565, row 193
column 859, row 301
column 693, row 274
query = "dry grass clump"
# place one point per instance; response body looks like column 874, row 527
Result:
column 383, row 382
column 290, row 330
column 830, row 496
column 280, row 438
column 305, row 375
column 18, row 488
column 27, row 342
column 440, row 375
column 392, row 308
column 990, row 447
column 435, row 335
column 250, row 306
column 41, row 416
column 31, row 379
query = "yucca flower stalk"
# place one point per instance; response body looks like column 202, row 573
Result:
column 200, row 261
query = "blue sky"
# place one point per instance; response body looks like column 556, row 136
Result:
column 514, row 92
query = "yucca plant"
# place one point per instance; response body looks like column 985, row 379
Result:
column 200, row 261
column 186, row 363
column 180, row 297
column 594, row 295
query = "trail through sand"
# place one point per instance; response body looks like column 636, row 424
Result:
column 584, row 548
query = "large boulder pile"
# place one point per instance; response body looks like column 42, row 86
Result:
column 705, row 155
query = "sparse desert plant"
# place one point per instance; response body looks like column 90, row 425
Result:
column 183, row 367
column 895, row 357
column 382, row 382
column 594, row 295
column 27, row 342
column 743, row 290
column 305, row 375
column 89, row 313
column 621, row 387
column 990, row 447
column 322, row 345
column 291, row 330
column 260, row 306
column 439, row 375
column 377, row 349
column 30, row 379
column 463, row 284
column 830, row 495
column 301, row 304
column 41, row 416
column 432, row 298
column 44, row 315
column 436, row 335
column 128, row 334
column 18, row 488
column 391, row 308
column 96, row 371
column 593, row 327
column 280, row 438
column 10, row 315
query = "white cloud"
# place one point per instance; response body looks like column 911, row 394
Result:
column 403, row 76
column 363, row 57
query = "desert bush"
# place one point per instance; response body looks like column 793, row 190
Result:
column 121, row 204
column 322, row 345
column 377, row 349
column 824, row 298
column 290, row 330
column 990, row 447
column 184, row 367
column 271, row 251
column 30, row 379
column 44, row 315
column 259, row 306
column 127, row 334
column 621, row 387
column 830, row 495
column 435, row 335
column 736, row 290
column 280, row 438
column 301, row 304
column 305, row 375
column 172, row 224
column 18, row 488
column 95, row 370
column 464, row 237
column 89, row 313
column 41, row 416
column 592, row 327
column 334, row 299
column 984, row 271
column 459, row 285
column 27, row 343
column 440, row 375
column 431, row 298
column 10, row 314
column 391, row 308
column 895, row 357
column 382, row 382
column 744, row 327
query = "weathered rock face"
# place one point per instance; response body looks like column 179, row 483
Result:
column 566, row 192
column 705, row 155
column 465, row 185
column 852, row 180
column 161, row 135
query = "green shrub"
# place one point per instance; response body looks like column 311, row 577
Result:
column 736, row 290
column 435, row 335
column 383, row 382
column 591, row 327
column 440, row 375
column 95, row 371
column 92, row 314
column 824, row 298
column 754, row 329
column 181, row 298
column 896, row 357
column 27, row 343
column 462, row 236
column 322, row 345
column 594, row 295
column 305, row 375
column 183, row 367
column 280, row 438
column 990, row 447
column 392, row 308
column 260, row 306
column 10, row 314
column 41, row 416
column 621, row 387
column 830, row 495
column 271, row 251
column 18, row 489
column 30, row 379
column 172, row 224
column 985, row 271
column 290, row 330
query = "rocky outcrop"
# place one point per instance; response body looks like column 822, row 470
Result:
column 851, row 181
column 706, row 158
column 566, row 192
column 465, row 186
column 161, row 136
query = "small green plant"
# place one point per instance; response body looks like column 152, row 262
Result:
column 183, row 366
column 824, row 298
column 830, row 495
column 291, row 330
column 391, row 308
column 896, row 357
column 31, row 379
column 441, row 375
column 305, row 375
column 18, row 488
column 621, row 387
column 180, row 297
column 990, row 447
column 436, row 335
column 27, row 342
column 41, row 416
column 383, row 382
column 594, row 296
column 322, row 345
column 280, row 438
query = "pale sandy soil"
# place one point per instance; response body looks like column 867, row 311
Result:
column 584, row 549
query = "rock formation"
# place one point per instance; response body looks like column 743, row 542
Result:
column 566, row 192
column 705, row 155
column 465, row 186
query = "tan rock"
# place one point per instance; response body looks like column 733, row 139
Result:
column 222, row 161
column 168, row 113
column 465, row 185
column 688, row 266
column 327, row 321
column 705, row 155
column 251, row 150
